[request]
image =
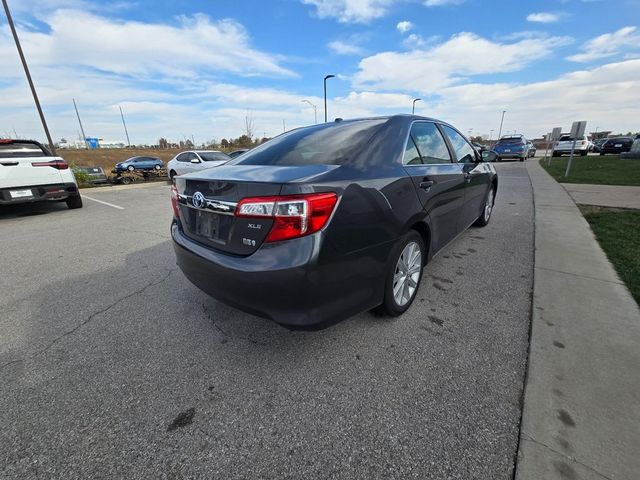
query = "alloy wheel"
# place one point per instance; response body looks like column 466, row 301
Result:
column 488, row 205
column 407, row 274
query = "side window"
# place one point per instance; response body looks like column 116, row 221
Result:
column 464, row 151
column 411, row 155
column 430, row 143
column 183, row 157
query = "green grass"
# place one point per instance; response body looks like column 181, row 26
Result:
column 606, row 170
column 618, row 232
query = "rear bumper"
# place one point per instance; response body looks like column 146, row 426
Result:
column 511, row 154
column 40, row 193
column 301, row 283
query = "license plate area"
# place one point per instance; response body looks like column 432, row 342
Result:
column 27, row 193
column 207, row 225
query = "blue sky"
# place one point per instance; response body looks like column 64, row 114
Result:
column 200, row 68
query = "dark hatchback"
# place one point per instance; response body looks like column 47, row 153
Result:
column 324, row 222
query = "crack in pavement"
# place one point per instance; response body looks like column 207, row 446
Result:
column 90, row 318
column 529, row 438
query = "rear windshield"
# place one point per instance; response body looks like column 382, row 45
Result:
column 511, row 140
column 213, row 156
column 21, row 149
column 330, row 144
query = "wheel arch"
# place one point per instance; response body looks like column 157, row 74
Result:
column 424, row 230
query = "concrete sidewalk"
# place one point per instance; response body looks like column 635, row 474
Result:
column 604, row 195
column 581, row 414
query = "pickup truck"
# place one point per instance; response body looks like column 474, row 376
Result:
column 29, row 173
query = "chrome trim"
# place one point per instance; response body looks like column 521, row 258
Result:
column 217, row 206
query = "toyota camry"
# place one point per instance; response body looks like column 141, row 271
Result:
column 324, row 222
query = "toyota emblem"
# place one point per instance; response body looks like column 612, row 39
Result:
column 198, row 200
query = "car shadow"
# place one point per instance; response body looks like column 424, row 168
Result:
column 30, row 209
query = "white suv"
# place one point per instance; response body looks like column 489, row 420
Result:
column 29, row 173
column 566, row 141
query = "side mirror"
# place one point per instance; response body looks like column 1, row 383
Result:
column 195, row 160
column 489, row 156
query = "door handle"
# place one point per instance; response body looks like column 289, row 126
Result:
column 467, row 177
column 426, row 185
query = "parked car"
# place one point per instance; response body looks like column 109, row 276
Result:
column 29, row 173
column 140, row 163
column 512, row 146
column 96, row 174
column 187, row 162
column 616, row 145
column 565, row 144
column 597, row 144
column 326, row 221
column 532, row 149
column 236, row 153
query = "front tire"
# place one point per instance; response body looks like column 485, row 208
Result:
column 131, row 168
column 404, row 274
column 172, row 174
column 74, row 202
column 487, row 208
column 157, row 167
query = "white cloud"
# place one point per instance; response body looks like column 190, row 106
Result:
column 404, row 26
column 448, row 63
column 608, row 45
column 350, row 11
column 440, row 3
column 535, row 108
column 194, row 44
column 543, row 17
column 344, row 48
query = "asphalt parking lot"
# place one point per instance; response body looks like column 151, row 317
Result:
column 113, row 365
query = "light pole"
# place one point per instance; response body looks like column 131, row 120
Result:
column 84, row 138
column 413, row 108
column 28, row 75
column 490, row 134
column 325, row 95
column 125, row 128
column 315, row 110
column 501, row 121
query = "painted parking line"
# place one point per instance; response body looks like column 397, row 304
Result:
column 102, row 202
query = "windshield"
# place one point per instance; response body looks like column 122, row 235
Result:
column 329, row 144
column 21, row 149
column 213, row 156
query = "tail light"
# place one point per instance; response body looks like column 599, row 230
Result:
column 293, row 215
column 57, row 164
column 174, row 201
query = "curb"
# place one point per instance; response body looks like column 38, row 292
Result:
column 581, row 412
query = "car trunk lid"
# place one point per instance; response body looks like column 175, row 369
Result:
column 208, row 200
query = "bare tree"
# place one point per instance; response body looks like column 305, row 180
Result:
column 248, row 125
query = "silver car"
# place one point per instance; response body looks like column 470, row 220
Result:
column 195, row 160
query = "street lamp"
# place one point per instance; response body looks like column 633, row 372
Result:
column 413, row 108
column 315, row 110
column 490, row 134
column 501, row 121
column 325, row 95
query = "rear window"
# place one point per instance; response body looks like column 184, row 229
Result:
column 21, row 149
column 511, row 140
column 329, row 144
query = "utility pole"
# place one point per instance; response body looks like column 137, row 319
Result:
column 28, row 75
column 125, row 127
column 501, row 121
column 284, row 128
column 84, row 138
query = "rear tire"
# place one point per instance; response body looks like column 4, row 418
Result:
column 487, row 208
column 555, row 154
column 157, row 167
column 404, row 274
column 522, row 159
column 583, row 153
column 172, row 174
column 74, row 202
